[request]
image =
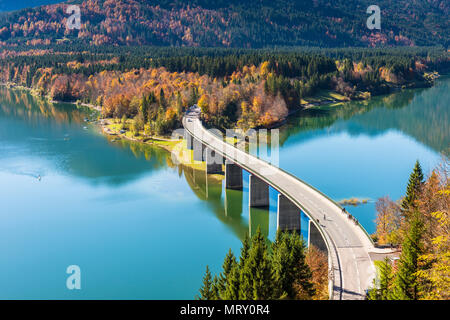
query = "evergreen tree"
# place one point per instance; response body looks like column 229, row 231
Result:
column 228, row 265
column 233, row 282
column 144, row 106
column 245, row 288
column 162, row 99
column 246, row 276
column 179, row 103
column 193, row 96
column 215, row 289
column 382, row 289
column 292, row 275
column 414, row 184
column 207, row 289
column 244, row 251
column 256, row 275
column 300, row 271
column 281, row 264
column 405, row 283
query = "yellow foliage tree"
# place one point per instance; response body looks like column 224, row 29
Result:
column 435, row 280
column 265, row 69
column 203, row 103
column 266, row 120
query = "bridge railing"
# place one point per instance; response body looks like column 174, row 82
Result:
column 300, row 180
column 334, row 202
column 333, row 257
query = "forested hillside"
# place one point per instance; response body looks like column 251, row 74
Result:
column 243, row 87
column 233, row 23
column 10, row 5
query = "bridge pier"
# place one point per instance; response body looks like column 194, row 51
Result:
column 258, row 192
column 233, row 176
column 213, row 161
column 315, row 238
column 188, row 138
column 199, row 149
column 288, row 215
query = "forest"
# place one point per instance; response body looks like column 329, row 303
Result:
column 418, row 224
column 282, row 269
column 236, row 24
column 247, row 88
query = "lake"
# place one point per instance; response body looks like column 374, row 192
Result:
column 140, row 227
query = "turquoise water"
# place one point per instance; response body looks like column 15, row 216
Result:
column 140, row 227
column 367, row 149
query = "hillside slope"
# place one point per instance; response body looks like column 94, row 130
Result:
column 233, row 23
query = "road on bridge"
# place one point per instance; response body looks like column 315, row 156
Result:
column 348, row 244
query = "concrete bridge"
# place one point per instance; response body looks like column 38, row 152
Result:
column 346, row 243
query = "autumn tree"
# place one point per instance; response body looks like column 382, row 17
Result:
column 435, row 279
column 388, row 221
column 203, row 103
column 317, row 262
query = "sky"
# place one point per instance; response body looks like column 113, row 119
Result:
column 10, row 5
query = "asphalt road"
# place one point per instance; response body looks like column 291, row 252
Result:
column 348, row 245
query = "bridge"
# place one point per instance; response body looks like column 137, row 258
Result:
column 331, row 229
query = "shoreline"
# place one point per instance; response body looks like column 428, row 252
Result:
column 170, row 145
column 162, row 140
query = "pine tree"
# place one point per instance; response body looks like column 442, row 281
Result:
column 414, row 184
column 233, row 282
column 300, row 271
column 405, row 283
column 256, row 275
column 382, row 289
column 144, row 106
column 215, row 289
column 260, row 262
column 207, row 289
column 245, row 286
column 281, row 264
column 162, row 99
column 228, row 265
column 246, row 277
column 244, row 251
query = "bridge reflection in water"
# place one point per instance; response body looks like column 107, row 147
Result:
column 345, row 242
column 227, row 204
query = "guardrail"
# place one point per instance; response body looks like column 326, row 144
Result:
column 333, row 256
column 307, row 184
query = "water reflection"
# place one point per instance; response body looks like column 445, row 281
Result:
column 422, row 114
column 209, row 188
column 233, row 204
column 34, row 127
column 259, row 217
column 55, row 132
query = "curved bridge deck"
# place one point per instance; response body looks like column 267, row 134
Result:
column 348, row 245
